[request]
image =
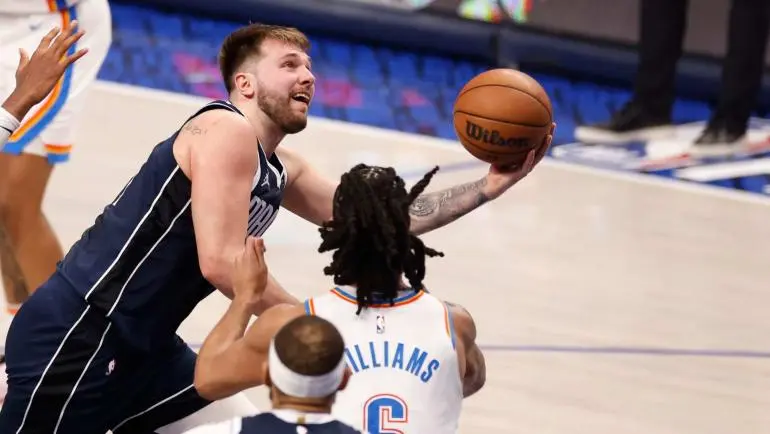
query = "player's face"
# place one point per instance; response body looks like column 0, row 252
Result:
column 285, row 85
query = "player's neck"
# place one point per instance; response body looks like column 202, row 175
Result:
column 302, row 405
column 267, row 132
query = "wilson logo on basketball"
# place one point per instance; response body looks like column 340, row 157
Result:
column 493, row 137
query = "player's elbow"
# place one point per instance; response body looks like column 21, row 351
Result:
column 476, row 374
column 481, row 378
column 215, row 270
column 473, row 384
column 207, row 385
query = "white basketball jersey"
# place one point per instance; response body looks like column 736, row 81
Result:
column 406, row 376
column 25, row 7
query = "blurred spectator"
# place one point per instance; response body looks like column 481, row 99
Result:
column 662, row 31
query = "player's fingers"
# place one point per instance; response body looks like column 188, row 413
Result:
column 46, row 41
column 63, row 43
column 259, row 250
column 530, row 161
column 259, row 244
column 69, row 60
column 67, row 31
column 541, row 153
column 544, row 148
column 23, row 59
column 248, row 250
column 70, row 41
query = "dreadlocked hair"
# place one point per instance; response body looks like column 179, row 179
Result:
column 369, row 234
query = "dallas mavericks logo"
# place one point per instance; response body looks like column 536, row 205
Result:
column 261, row 215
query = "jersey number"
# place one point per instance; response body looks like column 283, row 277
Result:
column 381, row 411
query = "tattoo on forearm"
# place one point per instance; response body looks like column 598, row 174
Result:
column 445, row 206
column 193, row 129
column 9, row 266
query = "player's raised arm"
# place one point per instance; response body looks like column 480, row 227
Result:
column 229, row 361
column 221, row 166
column 474, row 366
column 37, row 75
column 433, row 210
column 310, row 195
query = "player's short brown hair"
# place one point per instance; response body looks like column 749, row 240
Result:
column 309, row 345
column 247, row 41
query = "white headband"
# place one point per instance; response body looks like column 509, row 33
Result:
column 303, row 386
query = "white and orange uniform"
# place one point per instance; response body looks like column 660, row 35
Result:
column 48, row 128
column 406, row 376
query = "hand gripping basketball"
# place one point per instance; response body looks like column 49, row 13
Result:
column 501, row 115
column 501, row 178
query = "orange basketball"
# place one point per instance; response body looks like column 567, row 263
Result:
column 500, row 115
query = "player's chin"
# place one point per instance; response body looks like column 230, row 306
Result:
column 297, row 123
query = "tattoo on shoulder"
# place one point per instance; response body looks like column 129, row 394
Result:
column 192, row 128
column 457, row 201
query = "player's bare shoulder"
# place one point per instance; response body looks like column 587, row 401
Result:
column 217, row 122
column 225, row 132
column 461, row 313
column 463, row 322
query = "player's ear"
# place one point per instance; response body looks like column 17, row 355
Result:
column 345, row 378
column 245, row 84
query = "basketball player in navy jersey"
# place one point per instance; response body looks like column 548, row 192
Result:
column 95, row 347
column 304, row 370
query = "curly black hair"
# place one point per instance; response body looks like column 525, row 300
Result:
column 370, row 236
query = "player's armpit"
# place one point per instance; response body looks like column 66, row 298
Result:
column 475, row 369
column 241, row 365
column 308, row 194
column 222, row 161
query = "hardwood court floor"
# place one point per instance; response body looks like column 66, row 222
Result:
column 605, row 303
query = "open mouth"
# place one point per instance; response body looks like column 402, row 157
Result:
column 302, row 97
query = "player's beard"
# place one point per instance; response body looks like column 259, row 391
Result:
column 278, row 108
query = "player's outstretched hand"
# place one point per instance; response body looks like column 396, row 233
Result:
column 250, row 272
column 500, row 179
column 37, row 75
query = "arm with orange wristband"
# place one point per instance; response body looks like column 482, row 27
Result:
column 37, row 75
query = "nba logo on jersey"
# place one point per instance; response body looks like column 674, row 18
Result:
column 380, row 324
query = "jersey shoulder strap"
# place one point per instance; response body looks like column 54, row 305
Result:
column 215, row 105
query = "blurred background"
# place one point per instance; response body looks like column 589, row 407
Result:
column 398, row 64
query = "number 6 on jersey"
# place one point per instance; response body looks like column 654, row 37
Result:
column 382, row 410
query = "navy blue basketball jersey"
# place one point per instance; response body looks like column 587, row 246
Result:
column 271, row 423
column 138, row 263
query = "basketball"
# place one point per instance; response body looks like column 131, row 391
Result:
column 502, row 114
